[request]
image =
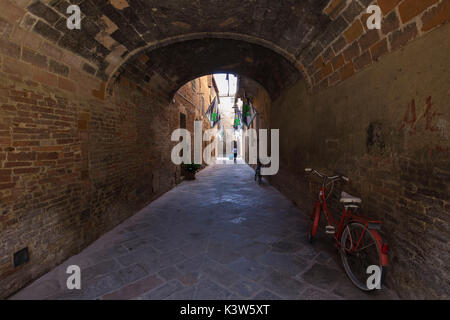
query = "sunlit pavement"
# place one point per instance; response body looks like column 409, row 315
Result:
column 222, row 236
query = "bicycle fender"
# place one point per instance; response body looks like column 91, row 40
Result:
column 379, row 240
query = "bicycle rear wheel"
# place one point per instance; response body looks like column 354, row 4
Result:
column 357, row 261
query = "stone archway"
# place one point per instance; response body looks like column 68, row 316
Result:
column 72, row 166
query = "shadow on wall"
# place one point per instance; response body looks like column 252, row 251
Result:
column 396, row 156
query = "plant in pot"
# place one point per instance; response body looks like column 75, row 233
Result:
column 190, row 170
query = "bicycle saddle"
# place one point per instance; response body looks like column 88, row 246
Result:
column 348, row 198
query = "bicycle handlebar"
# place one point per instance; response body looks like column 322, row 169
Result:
column 309, row 170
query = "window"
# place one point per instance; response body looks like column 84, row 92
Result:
column 194, row 85
column 203, row 105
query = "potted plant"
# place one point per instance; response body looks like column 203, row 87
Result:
column 190, row 170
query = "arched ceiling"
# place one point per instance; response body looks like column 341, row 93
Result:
column 288, row 24
column 114, row 30
column 183, row 61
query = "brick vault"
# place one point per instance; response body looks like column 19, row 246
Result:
column 86, row 115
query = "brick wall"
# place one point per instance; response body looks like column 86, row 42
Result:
column 74, row 162
column 355, row 48
column 78, row 156
column 387, row 129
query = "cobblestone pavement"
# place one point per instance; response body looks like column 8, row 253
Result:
column 221, row 236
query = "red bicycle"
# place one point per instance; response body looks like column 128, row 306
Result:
column 361, row 247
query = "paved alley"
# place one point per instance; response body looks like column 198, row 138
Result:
column 221, row 236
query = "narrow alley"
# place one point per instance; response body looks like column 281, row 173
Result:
column 222, row 236
column 114, row 113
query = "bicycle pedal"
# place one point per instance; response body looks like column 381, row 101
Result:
column 330, row 230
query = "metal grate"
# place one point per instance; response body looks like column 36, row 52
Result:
column 21, row 257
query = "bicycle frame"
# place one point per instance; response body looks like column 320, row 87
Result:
column 347, row 215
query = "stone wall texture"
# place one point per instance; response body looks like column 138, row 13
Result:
column 76, row 163
column 387, row 129
column 85, row 136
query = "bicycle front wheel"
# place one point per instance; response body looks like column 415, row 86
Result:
column 359, row 251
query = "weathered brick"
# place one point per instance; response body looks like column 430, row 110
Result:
column 5, row 172
column 48, row 148
column 317, row 77
column 354, row 32
column 409, row 9
column 347, row 71
column 311, row 69
column 47, row 156
column 51, row 51
column 21, row 156
column 72, row 60
column 363, row 19
column 26, row 171
column 368, row 39
column 10, row 49
column 25, row 38
column 34, row 58
column 17, row 164
column 105, row 40
column 44, row 12
column 319, row 63
column 387, row 5
column 334, row 8
column 47, row 31
column 5, row 28
column 66, row 84
column 88, row 68
column 100, row 93
column 82, row 124
column 334, row 78
column 338, row 62
column 379, row 49
column 328, row 54
column 45, row 78
column 352, row 51
column 10, row 11
column 362, row 61
column 401, row 37
column 338, row 26
column 25, row 143
column 436, row 16
column 327, row 69
column 7, row 185
column 28, row 22
column 352, row 11
column 58, row 68
column 390, row 23
column 339, row 44
column 16, row 67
